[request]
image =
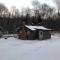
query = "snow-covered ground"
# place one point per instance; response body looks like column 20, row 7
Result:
column 15, row 49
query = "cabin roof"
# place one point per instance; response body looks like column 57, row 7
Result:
column 36, row 27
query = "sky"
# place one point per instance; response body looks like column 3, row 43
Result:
column 24, row 3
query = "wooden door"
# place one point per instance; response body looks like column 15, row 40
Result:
column 40, row 35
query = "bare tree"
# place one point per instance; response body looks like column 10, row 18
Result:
column 36, row 4
column 25, row 14
column 47, row 11
column 36, row 7
column 28, row 15
column 58, row 5
column 23, row 11
column 3, row 9
column 14, row 12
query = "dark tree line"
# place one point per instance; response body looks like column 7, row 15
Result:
column 40, row 14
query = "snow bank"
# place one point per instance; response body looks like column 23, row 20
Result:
column 15, row 49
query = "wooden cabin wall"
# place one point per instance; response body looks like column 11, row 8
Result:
column 46, row 35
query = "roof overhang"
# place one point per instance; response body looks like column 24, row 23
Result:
column 36, row 27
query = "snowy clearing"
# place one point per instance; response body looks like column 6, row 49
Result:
column 15, row 49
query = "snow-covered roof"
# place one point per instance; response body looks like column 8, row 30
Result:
column 37, row 27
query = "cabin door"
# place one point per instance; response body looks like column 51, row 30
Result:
column 40, row 35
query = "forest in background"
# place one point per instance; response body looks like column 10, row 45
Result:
column 40, row 14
